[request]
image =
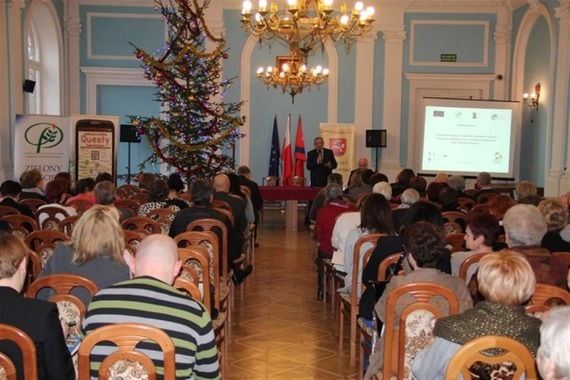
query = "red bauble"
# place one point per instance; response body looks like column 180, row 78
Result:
column 225, row 55
column 139, row 54
column 159, row 82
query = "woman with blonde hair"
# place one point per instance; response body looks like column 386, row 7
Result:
column 556, row 215
column 506, row 280
column 97, row 251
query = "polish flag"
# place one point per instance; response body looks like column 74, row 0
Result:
column 287, row 156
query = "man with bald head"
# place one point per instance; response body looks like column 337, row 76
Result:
column 221, row 187
column 362, row 166
column 149, row 298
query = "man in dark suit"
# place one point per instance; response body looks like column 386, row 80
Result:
column 221, row 187
column 362, row 166
column 38, row 319
column 10, row 193
column 320, row 162
column 202, row 196
column 245, row 179
column 483, row 185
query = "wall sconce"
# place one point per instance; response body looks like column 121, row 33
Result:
column 532, row 100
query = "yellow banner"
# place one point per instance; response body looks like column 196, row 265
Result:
column 341, row 139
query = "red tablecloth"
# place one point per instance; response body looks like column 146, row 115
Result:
column 288, row 193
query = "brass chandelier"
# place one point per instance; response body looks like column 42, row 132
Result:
column 303, row 25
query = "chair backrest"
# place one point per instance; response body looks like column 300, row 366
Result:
column 456, row 240
column 132, row 240
column 33, row 203
column 21, row 225
column 216, row 203
column 126, row 191
column 457, row 217
column 486, row 197
column 414, row 324
column 127, row 207
column 511, row 351
column 563, row 256
column 141, row 224
column 26, row 346
column 197, row 257
column 6, row 210
column 34, row 267
column 142, row 197
column 208, row 240
column 126, row 336
column 270, row 180
column 191, row 288
column 43, row 242
column 227, row 213
column 466, row 203
column 164, row 217
column 48, row 217
column 385, row 265
column 7, row 368
column 80, row 205
column 545, row 297
column 356, row 270
column 214, row 225
column 467, row 263
column 479, row 209
column 298, row 181
column 67, row 224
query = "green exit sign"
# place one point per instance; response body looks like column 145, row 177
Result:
column 448, row 57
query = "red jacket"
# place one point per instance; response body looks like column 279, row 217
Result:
column 326, row 218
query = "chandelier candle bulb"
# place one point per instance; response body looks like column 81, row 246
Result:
column 262, row 5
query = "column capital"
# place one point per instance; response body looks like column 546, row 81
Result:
column 15, row 4
column 73, row 26
column 563, row 11
column 394, row 34
column 503, row 34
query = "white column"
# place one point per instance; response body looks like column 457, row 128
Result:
column 6, row 164
column 364, row 91
column 503, row 36
column 394, row 35
column 559, row 154
column 15, row 43
column 71, row 81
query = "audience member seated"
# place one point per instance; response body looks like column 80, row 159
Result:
column 145, row 181
column 506, row 281
column 383, row 188
column 524, row 229
column 387, row 245
column 362, row 166
column 101, row 177
column 442, row 178
column 375, row 218
column 65, row 176
column 556, row 216
column 499, row 205
column 400, row 214
column 565, row 233
column 158, row 191
column 175, row 188
column 37, row 318
column 481, row 234
column 10, row 192
column 378, row 177
column 97, row 251
column 432, row 191
column 553, row 358
column 235, row 189
column 56, row 193
column 420, row 185
column 32, row 184
column 364, row 187
column 221, row 186
column 449, row 200
column 344, row 224
column 483, row 185
column 245, row 178
column 425, row 246
column 202, row 197
column 85, row 189
column 457, row 183
column 319, row 200
column 402, row 182
column 527, row 193
column 149, row 298
column 326, row 217
column 105, row 193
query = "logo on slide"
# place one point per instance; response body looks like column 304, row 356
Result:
column 43, row 136
column 498, row 158
column 338, row 146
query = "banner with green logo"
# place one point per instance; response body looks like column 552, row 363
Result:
column 41, row 142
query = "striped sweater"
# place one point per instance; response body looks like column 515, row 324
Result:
column 147, row 300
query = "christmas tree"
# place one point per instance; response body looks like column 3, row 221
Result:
column 196, row 123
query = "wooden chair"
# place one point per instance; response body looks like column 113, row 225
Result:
column 80, row 205
column 221, row 204
column 563, row 256
column 132, row 240
column 477, row 350
column 126, row 336
column 127, row 207
column 456, row 241
column 467, row 263
column 486, row 197
column 164, row 218
column 197, row 259
column 349, row 302
column 34, row 268
column 6, row 210
column 127, row 190
column 398, row 347
column 33, row 203
column 26, row 346
column 227, row 213
column 48, row 217
column 545, row 297
column 43, row 242
column 188, row 287
column 299, row 181
column 21, row 225
column 70, row 306
column 479, row 209
column 67, row 224
column 455, row 217
column 270, row 180
column 142, row 197
column 466, row 203
column 142, row 225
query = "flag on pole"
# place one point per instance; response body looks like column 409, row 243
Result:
column 275, row 151
column 287, row 157
column 300, row 157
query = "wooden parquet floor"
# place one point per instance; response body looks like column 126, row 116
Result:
column 279, row 330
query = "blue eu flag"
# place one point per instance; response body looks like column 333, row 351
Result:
column 274, row 157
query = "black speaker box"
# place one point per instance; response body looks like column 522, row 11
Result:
column 29, row 85
column 375, row 138
column 129, row 134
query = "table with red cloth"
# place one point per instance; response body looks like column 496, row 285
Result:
column 291, row 195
